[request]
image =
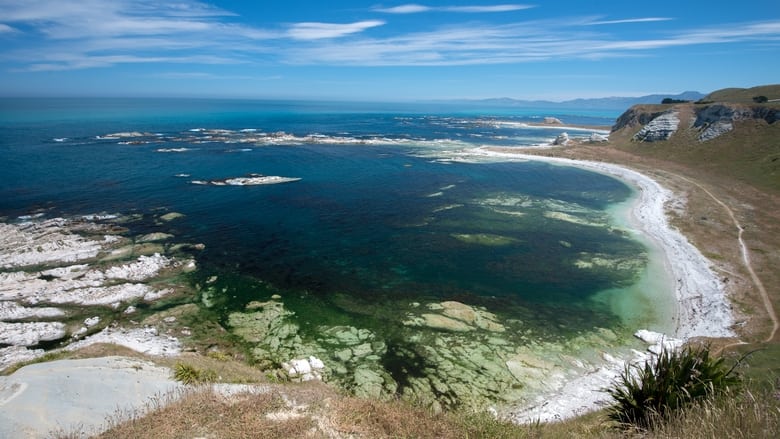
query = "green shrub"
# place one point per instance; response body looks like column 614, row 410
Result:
column 668, row 384
column 668, row 101
column 190, row 375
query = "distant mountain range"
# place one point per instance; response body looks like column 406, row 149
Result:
column 610, row 103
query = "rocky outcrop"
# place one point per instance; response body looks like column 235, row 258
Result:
column 660, row 128
column 707, row 121
column 562, row 139
column 718, row 119
column 598, row 138
column 635, row 116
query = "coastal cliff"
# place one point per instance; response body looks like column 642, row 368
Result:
column 713, row 116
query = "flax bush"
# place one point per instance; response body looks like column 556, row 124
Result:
column 670, row 383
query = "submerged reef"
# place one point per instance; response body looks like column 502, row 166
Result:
column 443, row 354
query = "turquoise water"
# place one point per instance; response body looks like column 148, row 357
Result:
column 382, row 220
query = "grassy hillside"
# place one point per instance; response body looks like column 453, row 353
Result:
column 750, row 153
column 743, row 95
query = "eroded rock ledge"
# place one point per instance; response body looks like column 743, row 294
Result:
column 63, row 282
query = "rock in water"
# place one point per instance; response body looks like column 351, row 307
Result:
column 562, row 139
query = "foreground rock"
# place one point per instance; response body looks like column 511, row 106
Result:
column 76, row 396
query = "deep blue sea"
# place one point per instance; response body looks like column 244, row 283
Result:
column 385, row 211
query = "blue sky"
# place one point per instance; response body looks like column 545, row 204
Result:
column 384, row 50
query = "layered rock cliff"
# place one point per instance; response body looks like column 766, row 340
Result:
column 708, row 121
column 661, row 127
column 717, row 119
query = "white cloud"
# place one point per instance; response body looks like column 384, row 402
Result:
column 481, row 9
column 404, row 9
column 317, row 31
column 629, row 20
column 415, row 8
column 6, row 29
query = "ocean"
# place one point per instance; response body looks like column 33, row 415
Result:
column 383, row 221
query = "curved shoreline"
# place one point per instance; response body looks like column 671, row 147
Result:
column 703, row 310
column 702, row 307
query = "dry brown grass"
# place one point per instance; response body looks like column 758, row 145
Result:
column 361, row 418
column 316, row 410
column 752, row 413
column 204, row 413
column 302, row 411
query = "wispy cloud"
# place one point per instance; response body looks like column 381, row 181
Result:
column 629, row 20
column 58, row 35
column 517, row 43
column 481, row 9
column 214, row 76
column 89, row 19
column 404, row 9
column 317, row 31
column 415, row 8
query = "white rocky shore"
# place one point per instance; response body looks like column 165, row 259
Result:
column 53, row 271
column 702, row 307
